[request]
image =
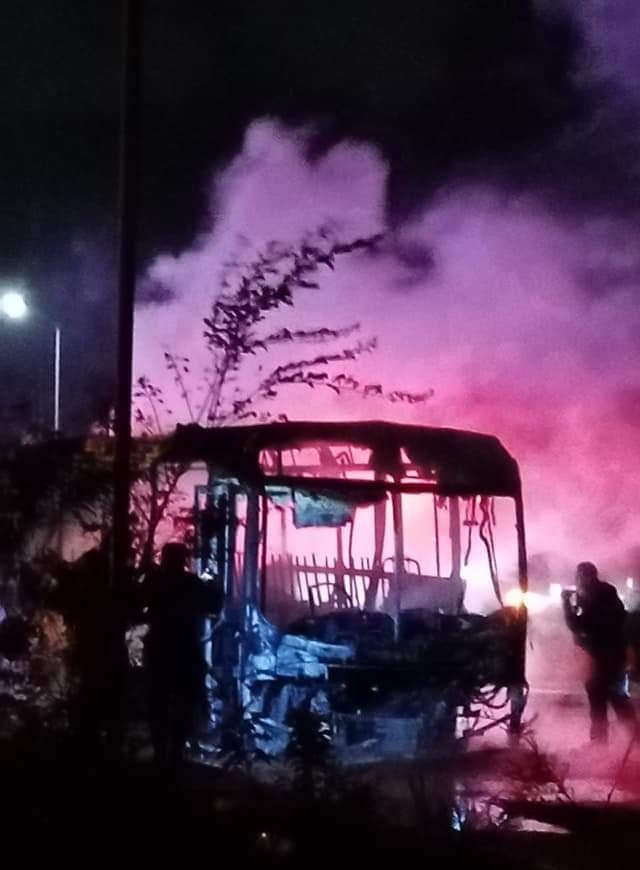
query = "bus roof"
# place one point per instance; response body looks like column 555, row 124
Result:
column 460, row 462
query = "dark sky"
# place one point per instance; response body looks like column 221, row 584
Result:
column 447, row 90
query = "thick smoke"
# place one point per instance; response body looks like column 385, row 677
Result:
column 611, row 27
column 481, row 297
column 513, row 297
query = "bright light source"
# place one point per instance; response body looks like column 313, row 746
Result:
column 515, row 598
column 555, row 592
column 13, row 305
column 630, row 583
column 533, row 601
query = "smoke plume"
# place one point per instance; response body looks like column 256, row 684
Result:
column 515, row 302
column 482, row 297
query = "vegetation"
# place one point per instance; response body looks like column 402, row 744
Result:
column 239, row 384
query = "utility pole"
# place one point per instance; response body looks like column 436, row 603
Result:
column 128, row 207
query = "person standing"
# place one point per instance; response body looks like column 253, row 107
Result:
column 596, row 617
column 177, row 603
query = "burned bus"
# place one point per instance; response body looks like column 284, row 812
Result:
column 363, row 566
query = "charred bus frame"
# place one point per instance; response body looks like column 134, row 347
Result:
column 249, row 461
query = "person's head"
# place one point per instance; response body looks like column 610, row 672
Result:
column 586, row 578
column 174, row 557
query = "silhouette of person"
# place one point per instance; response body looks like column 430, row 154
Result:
column 177, row 603
column 596, row 617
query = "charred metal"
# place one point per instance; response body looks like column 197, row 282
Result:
column 383, row 649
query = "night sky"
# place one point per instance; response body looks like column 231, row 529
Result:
column 528, row 98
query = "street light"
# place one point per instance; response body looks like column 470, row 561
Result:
column 13, row 306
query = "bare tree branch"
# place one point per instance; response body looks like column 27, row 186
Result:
column 251, row 292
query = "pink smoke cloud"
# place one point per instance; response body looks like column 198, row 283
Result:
column 500, row 325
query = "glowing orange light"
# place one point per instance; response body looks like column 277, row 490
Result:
column 533, row 601
column 515, row 598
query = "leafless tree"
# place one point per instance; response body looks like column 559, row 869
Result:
column 237, row 332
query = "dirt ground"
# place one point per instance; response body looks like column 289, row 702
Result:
column 53, row 800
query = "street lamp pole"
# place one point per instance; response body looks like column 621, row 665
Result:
column 13, row 306
column 57, row 358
